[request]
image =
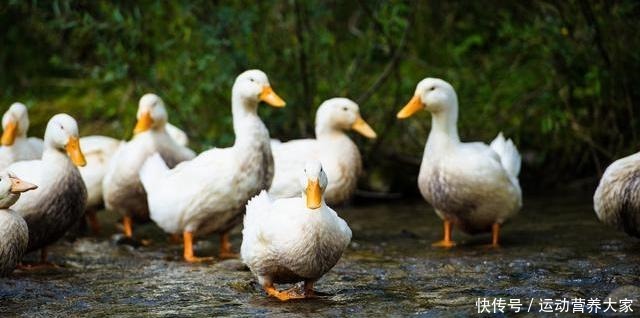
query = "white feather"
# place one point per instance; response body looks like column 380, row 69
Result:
column 97, row 151
column 509, row 155
column 338, row 154
column 286, row 234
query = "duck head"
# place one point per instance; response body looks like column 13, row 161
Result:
column 432, row 94
column 314, row 181
column 10, row 188
column 62, row 134
column 152, row 113
column 253, row 86
column 342, row 114
column 15, row 123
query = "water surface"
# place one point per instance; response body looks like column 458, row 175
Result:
column 554, row 249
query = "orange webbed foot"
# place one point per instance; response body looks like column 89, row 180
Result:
column 285, row 295
column 444, row 244
column 196, row 259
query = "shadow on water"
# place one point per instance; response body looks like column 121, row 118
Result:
column 555, row 248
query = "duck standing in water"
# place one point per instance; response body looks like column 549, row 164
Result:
column 122, row 190
column 207, row 194
column 60, row 199
column 293, row 240
column 98, row 151
column 16, row 146
column 338, row 154
column 617, row 198
column 14, row 233
column 471, row 185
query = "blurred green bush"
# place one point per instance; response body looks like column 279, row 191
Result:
column 559, row 77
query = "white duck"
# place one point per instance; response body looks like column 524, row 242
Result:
column 61, row 197
column 98, row 151
column 14, row 233
column 15, row 144
column 177, row 134
column 207, row 194
column 471, row 185
column 617, row 199
column 332, row 147
column 293, row 240
column 122, row 190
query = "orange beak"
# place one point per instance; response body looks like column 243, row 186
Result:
column 18, row 185
column 363, row 128
column 414, row 105
column 270, row 97
column 73, row 149
column 314, row 195
column 9, row 134
column 144, row 123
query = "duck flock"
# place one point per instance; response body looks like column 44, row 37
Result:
column 280, row 191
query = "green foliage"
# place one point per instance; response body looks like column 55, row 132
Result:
column 557, row 77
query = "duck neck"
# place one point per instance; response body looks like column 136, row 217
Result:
column 444, row 130
column 252, row 144
column 325, row 131
column 52, row 153
column 246, row 122
column 8, row 201
column 250, row 131
column 21, row 134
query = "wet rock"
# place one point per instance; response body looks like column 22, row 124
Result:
column 232, row 265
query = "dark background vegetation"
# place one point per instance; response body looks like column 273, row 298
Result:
column 559, row 77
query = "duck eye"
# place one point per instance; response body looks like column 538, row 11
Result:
column 345, row 108
column 251, row 79
column 432, row 88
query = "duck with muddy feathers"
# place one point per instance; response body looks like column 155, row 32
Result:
column 617, row 198
column 471, row 185
column 60, row 199
column 14, row 233
column 293, row 240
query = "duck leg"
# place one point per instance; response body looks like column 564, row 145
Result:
column 495, row 234
column 127, row 223
column 92, row 219
column 42, row 264
column 446, row 241
column 226, row 251
column 44, row 255
column 188, row 250
column 282, row 295
column 308, row 289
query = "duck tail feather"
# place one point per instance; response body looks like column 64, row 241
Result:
column 509, row 155
column 257, row 206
